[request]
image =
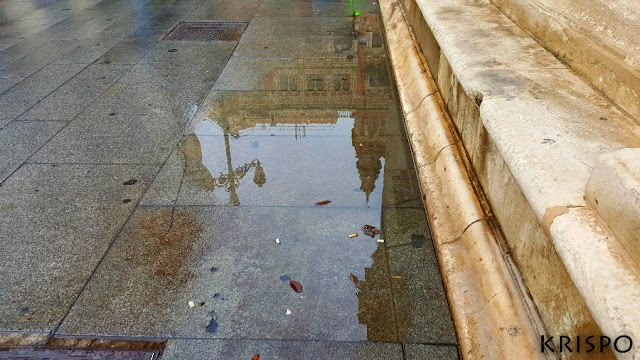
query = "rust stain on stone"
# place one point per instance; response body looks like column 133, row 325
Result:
column 169, row 236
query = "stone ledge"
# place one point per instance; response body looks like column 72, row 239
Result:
column 493, row 317
column 548, row 127
column 614, row 191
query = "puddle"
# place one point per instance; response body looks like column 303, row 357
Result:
column 309, row 153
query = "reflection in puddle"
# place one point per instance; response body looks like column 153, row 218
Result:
column 319, row 128
column 198, row 173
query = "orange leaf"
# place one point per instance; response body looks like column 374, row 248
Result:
column 296, row 286
column 353, row 278
column 256, row 357
column 323, row 202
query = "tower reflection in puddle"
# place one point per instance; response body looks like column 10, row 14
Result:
column 320, row 128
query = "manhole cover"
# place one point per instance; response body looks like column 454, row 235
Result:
column 207, row 31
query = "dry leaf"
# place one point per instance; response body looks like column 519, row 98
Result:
column 397, row 277
column 353, row 278
column 296, row 286
column 325, row 202
column 256, row 357
column 353, row 235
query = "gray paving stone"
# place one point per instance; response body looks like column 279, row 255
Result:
column 129, row 51
column 13, row 10
column 88, row 50
column 76, row 94
column 271, row 26
column 285, row 46
column 40, row 58
column 20, row 98
column 7, row 83
column 143, row 139
column 182, row 62
column 4, row 122
column 419, row 296
column 427, row 352
column 310, row 9
column 406, row 226
column 57, row 222
column 225, row 11
column 279, row 350
column 19, row 140
column 163, row 259
column 164, row 100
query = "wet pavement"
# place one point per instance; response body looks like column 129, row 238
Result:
column 140, row 174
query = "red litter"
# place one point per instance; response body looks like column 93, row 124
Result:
column 370, row 230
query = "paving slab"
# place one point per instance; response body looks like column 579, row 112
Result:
column 21, row 97
column 180, row 62
column 57, row 222
column 222, row 10
column 8, row 83
column 289, row 46
column 268, row 26
column 19, row 140
column 76, row 94
column 113, row 140
column 422, row 351
column 279, row 350
column 311, row 9
column 406, row 226
column 419, row 295
column 135, row 123
column 226, row 257
column 165, row 100
column 39, row 59
column 128, row 51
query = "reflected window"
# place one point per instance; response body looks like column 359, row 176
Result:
column 315, row 83
column 341, row 83
column 376, row 40
column 288, row 82
column 377, row 76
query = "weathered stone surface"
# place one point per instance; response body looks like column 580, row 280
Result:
column 614, row 191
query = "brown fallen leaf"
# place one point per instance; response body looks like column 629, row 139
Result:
column 325, row 202
column 256, row 357
column 296, row 286
column 353, row 278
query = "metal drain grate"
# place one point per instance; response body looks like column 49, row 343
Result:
column 207, row 31
column 78, row 354
column 85, row 349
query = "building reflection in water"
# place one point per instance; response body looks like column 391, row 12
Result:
column 349, row 85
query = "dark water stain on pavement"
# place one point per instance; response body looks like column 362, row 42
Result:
column 212, row 328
